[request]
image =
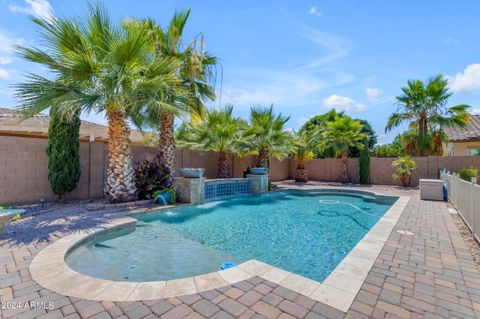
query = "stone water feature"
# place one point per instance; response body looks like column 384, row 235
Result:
column 195, row 190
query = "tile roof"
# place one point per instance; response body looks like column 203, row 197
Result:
column 12, row 113
column 15, row 114
column 471, row 132
column 12, row 123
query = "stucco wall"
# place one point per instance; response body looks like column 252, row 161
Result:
column 380, row 168
column 460, row 148
column 24, row 172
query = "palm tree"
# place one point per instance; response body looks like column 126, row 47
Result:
column 341, row 135
column 97, row 67
column 266, row 136
column 195, row 69
column 220, row 132
column 305, row 143
column 405, row 168
column 424, row 106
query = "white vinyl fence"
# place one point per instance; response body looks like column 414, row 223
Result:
column 465, row 197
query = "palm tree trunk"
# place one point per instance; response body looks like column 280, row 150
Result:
column 345, row 176
column 262, row 158
column 223, row 167
column 120, row 183
column 301, row 175
column 167, row 146
column 422, row 126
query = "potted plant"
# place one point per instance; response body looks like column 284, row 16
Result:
column 259, row 170
column 192, row 172
column 164, row 197
column 150, row 176
column 405, row 168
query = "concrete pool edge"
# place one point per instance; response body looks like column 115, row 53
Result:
column 338, row 290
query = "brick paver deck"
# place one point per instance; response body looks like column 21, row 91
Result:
column 429, row 274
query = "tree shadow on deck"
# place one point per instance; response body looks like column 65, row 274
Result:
column 52, row 225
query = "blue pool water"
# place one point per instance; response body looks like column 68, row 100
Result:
column 305, row 232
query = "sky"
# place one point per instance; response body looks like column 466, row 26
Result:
column 305, row 57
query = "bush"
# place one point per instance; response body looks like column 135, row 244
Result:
column 405, row 167
column 364, row 165
column 63, row 153
column 467, row 173
column 150, row 176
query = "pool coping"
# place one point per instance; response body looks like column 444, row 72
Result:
column 338, row 290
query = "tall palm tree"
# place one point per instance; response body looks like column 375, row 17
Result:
column 196, row 72
column 219, row 132
column 97, row 67
column 316, row 125
column 305, row 143
column 266, row 136
column 341, row 135
column 424, row 106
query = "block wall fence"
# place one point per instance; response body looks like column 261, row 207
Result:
column 24, row 172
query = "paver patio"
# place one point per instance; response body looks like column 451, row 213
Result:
column 429, row 274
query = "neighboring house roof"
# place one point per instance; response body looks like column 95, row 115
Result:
column 11, row 123
column 471, row 132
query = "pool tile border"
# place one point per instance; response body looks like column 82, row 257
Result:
column 338, row 290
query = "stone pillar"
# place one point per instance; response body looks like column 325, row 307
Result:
column 259, row 183
column 190, row 190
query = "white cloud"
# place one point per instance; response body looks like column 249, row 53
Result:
column 468, row 81
column 335, row 46
column 475, row 110
column 283, row 88
column 450, row 40
column 373, row 94
column 7, row 44
column 302, row 121
column 292, row 86
column 5, row 60
column 343, row 103
column 4, row 74
column 39, row 8
column 314, row 11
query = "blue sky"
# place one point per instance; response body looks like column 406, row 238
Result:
column 305, row 57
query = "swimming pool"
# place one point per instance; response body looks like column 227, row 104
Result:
column 304, row 232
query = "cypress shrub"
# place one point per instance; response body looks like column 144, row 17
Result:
column 364, row 165
column 63, row 152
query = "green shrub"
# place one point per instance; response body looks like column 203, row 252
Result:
column 150, row 176
column 173, row 196
column 405, row 167
column 467, row 173
column 364, row 166
column 63, row 153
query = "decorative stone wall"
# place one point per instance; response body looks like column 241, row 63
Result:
column 227, row 187
column 196, row 190
column 259, row 183
column 190, row 190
